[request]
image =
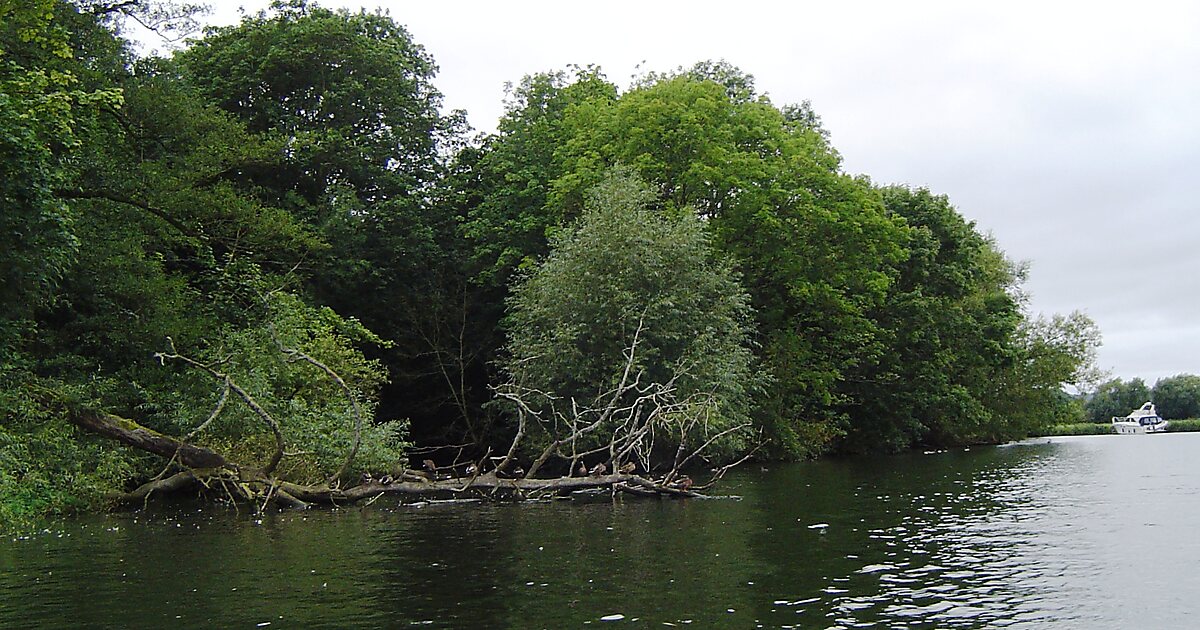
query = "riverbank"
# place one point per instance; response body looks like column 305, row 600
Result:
column 1188, row 425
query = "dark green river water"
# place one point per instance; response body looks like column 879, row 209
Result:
column 1090, row 532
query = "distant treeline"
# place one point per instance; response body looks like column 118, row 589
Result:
column 1175, row 397
column 281, row 212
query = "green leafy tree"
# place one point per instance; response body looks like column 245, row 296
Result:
column 42, row 109
column 815, row 247
column 284, row 362
column 1116, row 398
column 1177, row 396
column 947, row 327
column 626, row 286
column 1053, row 353
column 963, row 362
column 168, row 246
column 44, row 114
column 501, row 190
column 347, row 102
column 514, row 215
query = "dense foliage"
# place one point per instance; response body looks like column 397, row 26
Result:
column 630, row 289
column 289, row 187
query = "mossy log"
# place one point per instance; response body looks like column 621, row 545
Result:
column 133, row 434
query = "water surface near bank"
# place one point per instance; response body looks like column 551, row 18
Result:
column 1095, row 531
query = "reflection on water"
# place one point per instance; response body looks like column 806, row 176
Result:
column 1077, row 532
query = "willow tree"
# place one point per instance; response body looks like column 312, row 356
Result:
column 632, row 338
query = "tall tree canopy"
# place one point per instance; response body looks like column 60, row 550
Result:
column 171, row 254
column 815, row 247
column 346, row 102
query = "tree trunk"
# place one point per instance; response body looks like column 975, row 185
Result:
column 129, row 432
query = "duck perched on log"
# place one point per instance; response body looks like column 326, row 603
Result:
column 583, row 469
column 599, row 470
column 683, row 483
column 629, row 468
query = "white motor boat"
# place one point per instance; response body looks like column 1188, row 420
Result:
column 1142, row 420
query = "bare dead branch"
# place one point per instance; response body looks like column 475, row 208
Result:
column 175, row 482
column 114, row 197
column 133, row 434
column 243, row 394
column 719, row 473
column 212, row 416
column 710, row 442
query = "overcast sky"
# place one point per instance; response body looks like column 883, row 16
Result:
column 1068, row 130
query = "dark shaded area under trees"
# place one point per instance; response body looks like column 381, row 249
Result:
column 273, row 265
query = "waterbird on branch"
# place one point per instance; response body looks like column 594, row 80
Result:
column 683, row 483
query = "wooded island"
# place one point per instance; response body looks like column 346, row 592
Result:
column 270, row 267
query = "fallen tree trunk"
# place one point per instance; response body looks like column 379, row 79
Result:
column 133, row 434
column 211, row 470
column 178, row 481
column 488, row 485
column 293, row 495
